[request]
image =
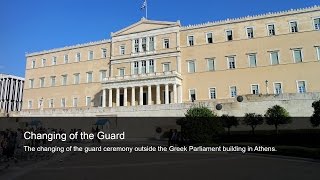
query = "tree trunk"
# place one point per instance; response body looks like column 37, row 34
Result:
column 229, row 131
column 277, row 131
column 252, row 130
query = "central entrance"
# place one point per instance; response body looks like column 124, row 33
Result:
column 121, row 100
column 145, row 98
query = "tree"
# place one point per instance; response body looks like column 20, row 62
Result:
column 200, row 124
column 277, row 115
column 252, row 120
column 229, row 121
column 315, row 118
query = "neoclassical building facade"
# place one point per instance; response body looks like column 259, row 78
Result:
column 158, row 62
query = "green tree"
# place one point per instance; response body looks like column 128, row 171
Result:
column 277, row 115
column 200, row 124
column 252, row 120
column 229, row 121
column 315, row 118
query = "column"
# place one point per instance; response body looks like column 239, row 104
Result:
column 110, row 97
column 167, row 94
column 158, row 94
column 141, row 96
column 149, row 95
column 118, row 97
column 175, row 99
column 104, row 94
column 133, row 96
column 179, row 94
column 125, row 97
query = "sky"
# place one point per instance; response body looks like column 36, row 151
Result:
column 35, row 25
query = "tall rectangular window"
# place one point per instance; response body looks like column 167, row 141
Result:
column 255, row 89
column 103, row 75
column 274, row 57
column 42, row 82
column 252, row 60
column 231, row 62
column 136, row 45
column 43, row 61
column 66, row 58
column 89, row 77
column 209, row 38
column 63, row 102
column 301, row 85
column 29, row 104
column 143, row 67
column 229, row 35
column 151, row 66
column 40, row 103
column 151, row 44
column 136, row 67
column 210, row 62
column 250, row 32
column 104, row 52
column 212, row 93
column 122, row 50
column 294, row 26
column 78, row 57
column 190, row 40
column 33, row 64
column 76, row 78
column 316, row 22
column 88, row 101
column 297, row 55
column 192, row 93
column 166, row 67
column 191, row 66
column 64, row 80
column 54, row 60
column 233, row 91
column 51, row 103
column 271, row 30
column 53, row 80
column 318, row 52
column 166, row 44
column 31, row 83
column 277, row 88
column 75, row 102
column 144, row 44
column 90, row 55
column 121, row 72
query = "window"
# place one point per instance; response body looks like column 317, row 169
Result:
column 190, row 40
column 89, row 77
column 121, row 72
column 233, row 91
column 144, row 44
column 166, row 44
column 192, row 93
column 42, row 82
column 51, row 103
column 64, row 80
column 53, row 80
column 318, row 52
column 75, row 102
column 143, row 67
column 76, row 78
column 103, row 75
column 135, row 67
column 274, row 56
column 316, row 22
column 151, row 66
column 209, row 38
column 210, row 63
column 90, row 55
column 271, row 30
column 43, row 61
column 229, row 35
column 104, row 52
column 54, row 60
column 29, row 104
column 78, row 57
column 301, row 85
column 33, row 64
column 297, row 55
column 255, row 89
column 294, row 26
column 31, row 83
column 191, row 66
column 231, row 62
column 252, row 60
column 277, row 88
column 40, row 103
column 136, row 45
column 250, row 32
column 88, row 101
column 212, row 93
column 63, row 102
column 122, row 50
column 66, row 58
column 151, row 44
column 166, row 67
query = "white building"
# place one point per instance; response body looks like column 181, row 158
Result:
column 11, row 93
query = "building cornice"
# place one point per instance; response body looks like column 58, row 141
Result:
column 68, row 47
column 254, row 17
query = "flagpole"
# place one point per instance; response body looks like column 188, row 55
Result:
column 146, row 9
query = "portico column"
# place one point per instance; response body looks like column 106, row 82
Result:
column 110, row 97
column 166, row 94
column 179, row 94
column 125, row 97
column 118, row 97
column 104, row 95
column 133, row 96
column 149, row 95
column 175, row 99
column 141, row 96
column 158, row 94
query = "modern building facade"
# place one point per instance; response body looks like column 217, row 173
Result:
column 158, row 62
column 11, row 93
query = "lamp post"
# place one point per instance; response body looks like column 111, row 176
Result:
column 267, row 89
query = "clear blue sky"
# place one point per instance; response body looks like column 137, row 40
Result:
column 34, row 25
